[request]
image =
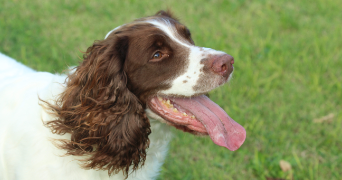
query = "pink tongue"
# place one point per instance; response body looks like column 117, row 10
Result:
column 222, row 129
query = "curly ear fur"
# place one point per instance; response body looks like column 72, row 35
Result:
column 106, row 121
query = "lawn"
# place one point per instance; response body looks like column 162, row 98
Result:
column 286, row 90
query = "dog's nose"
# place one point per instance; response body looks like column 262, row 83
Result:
column 222, row 64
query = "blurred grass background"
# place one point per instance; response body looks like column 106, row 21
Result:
column 286, row 90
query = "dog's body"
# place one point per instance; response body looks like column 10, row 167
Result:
column 97, row 115
column 26, row 150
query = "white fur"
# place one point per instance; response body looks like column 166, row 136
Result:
column 25, row 148
column 26, row 151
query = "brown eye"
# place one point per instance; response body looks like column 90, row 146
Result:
column 157, row 55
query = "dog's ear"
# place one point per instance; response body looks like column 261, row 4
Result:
column 106, row 121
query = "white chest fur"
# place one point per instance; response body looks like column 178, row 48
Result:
column 26, row 151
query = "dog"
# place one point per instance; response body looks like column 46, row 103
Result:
column 109, row 117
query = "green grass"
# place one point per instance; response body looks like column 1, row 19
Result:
column 288, row 72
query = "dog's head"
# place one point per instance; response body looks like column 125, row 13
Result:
column 150, row 67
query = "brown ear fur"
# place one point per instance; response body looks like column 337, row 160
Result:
column 106, row 121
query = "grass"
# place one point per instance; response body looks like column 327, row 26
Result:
column 288, row 72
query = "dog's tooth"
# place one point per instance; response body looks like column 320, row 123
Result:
column 168, row 101
column 193, row 117
column 175, row 110
column 160, row 99
column 169, row 105
column 184, row 114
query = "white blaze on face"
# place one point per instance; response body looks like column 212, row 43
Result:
column 184, row 83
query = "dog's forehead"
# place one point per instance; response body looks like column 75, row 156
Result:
column 170, row 30
column 165, row 24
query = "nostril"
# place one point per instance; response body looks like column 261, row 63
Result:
column 224, row 67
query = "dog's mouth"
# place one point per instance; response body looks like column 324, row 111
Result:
column 200, row 115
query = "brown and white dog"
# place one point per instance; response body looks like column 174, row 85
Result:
column 110, row 115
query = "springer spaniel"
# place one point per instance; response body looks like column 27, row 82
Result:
column 107, row 119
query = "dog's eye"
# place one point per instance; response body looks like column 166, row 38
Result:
column 157, row 55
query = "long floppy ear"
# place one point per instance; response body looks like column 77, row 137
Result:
column 106, row 121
